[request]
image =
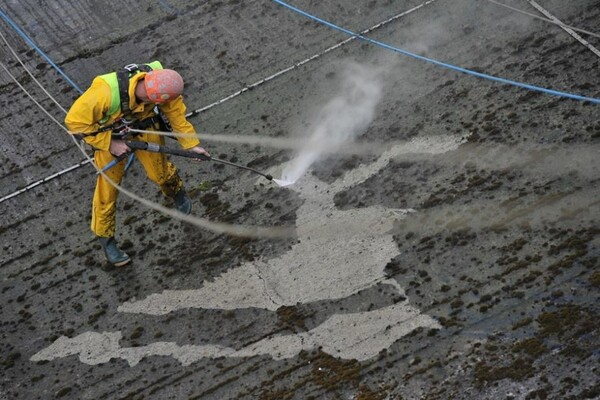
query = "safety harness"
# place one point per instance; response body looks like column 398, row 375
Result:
column 119, row 84
column 123, row 77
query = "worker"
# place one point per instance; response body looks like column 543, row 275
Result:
column 145, row 96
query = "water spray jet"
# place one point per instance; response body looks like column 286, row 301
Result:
column 340, row 120
column 283, row 182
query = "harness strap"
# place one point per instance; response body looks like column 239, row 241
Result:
column 163, row 121
column 145, row 123
column 123, row 81
column 123, row 76
column 141, row 124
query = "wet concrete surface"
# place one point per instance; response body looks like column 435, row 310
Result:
column 461, row 263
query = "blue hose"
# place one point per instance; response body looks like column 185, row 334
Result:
column 28, row 40
column 439, row 63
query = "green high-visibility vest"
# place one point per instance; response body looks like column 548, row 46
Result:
column 113, row 82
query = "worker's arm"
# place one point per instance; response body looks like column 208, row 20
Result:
column 87, row 110
column 175, row 112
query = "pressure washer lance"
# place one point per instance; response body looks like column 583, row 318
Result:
column 156, row 148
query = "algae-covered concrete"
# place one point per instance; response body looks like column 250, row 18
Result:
column 459, row 259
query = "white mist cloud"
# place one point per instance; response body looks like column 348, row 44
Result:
column 345, row 116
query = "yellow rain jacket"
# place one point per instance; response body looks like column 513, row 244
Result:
column 84, row 117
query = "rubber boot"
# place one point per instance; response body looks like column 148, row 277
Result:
column 113, row 254
column 183, row 202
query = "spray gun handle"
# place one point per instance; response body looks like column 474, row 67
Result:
column 156, row 148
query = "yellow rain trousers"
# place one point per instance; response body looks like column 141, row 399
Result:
column 91, row 107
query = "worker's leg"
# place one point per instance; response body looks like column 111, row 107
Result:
column 160, row 170
column 104, row 204
column 104, row 207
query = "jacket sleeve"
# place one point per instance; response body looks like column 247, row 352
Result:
column 175, row 112
column 88, row 109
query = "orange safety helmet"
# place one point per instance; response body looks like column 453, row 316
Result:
column 163, row 85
